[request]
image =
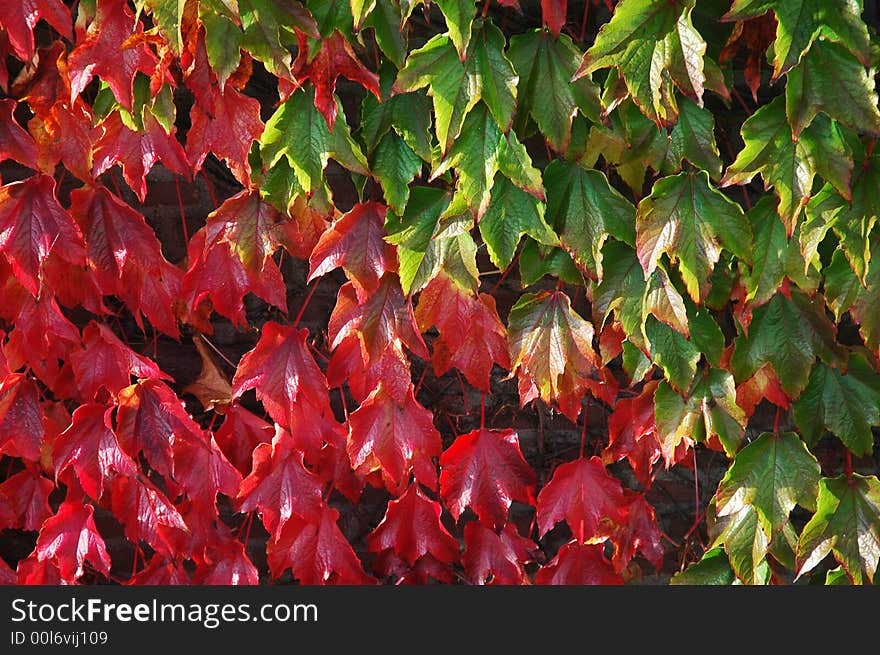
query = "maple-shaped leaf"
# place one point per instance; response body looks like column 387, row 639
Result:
column 299, row 132
column 789, row 332
column 788, row 163
column 223, row 121
column 27, row 493
column 160, row 571
column 584, row 209
column 33, row 571
column 846, row 402
column 334, row 59
column 457, row 83
column 107, row 363
column 212, row 388
column 799, row 23
column 395, row 165
column 90, row 446
column 16, row 143
column 583, row 494
column 394, row 437
column 772, row 474
column 654, row 45
column 690, row 220
column 348, row 365
column 150, row 419
column 316, row 551
column 18, row 20
column 845, row 293
column 102, row 53
column 640, row 532
column 763, row 385
column 267, row 27
column 147, row 515
column 21, row 418
column 411, row 528
column 712, row 569
column 545, row 66
column 355, row 242
column 226, row 563
column 201, row 470
column 279, row 485
column 485, row 470
column 32, row 225
column 481, row 151
column 632, row 433
column 137, row 152
column 240, row 433
column 284, row 374
column 71, row 538
column 847, row 524
column 498, row 558
column 708, row 410
column 551, row 352
column 744, row 540
column 578, row 564
column 472, row 337
column 621, row 291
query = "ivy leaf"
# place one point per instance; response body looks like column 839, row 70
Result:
column 201, row 470
column 265, row 23
column 712, row 569
column 690, row 220
column 790, row 165
column 226, row 564
column 585, row 210
column 845, row 402
column 386, row 21
column 28, row 495
column 846, row 294
column 482, row 150
column 147, row 515
column 223, row 37
column 21, row 418
column 298, row 131
column 485, row 470
column 545, row 66
column 459, row 15
column 512, row 213
column 771, row 474
column 16, row 143
column 578, row 564
column 621, row 289
column 745, row 541
column 553, row 15
column 493, row 70
column 632, row 433
column 801, row 22
column 847, row 524
column 241, row 432
column 693, row 138
column 70, row 538
column 395, row 165
column 18, row 20
column 662, row 300
column 653, row 44
column 789, row 332
column 412, row 529
column 551, row 351
column 394, row 438
column 496, row 557
column 671, row 351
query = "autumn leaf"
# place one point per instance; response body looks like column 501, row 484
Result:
column 27, row 493
column 148, row 515
column 70, row 538
column 578, row 564
column 496, row 558
column 16, row 143
column 18, row 20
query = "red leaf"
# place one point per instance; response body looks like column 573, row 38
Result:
column 640, row 532
column 334, row 59
column 89, row 445
column 757, row 34
column 74, row 285
column 472, row 337
column 71, row 538
column 412, row 528
column 334, row 467
column 394, row 438
column 578, row 564
column 632, row 433
column 553, row 14
column 107, row 363
column 584, row 494
column 356, row 242
column 241, row 432
column 32, row 571
column 347, row 365
column 21, row 418
column 763, row 385
column 426, row 569
column 32, row 224
column 202, row 470
column 227, row 564
column 280, row 486
column 224, row 121
column 485, row 470
column 28, row 495
column 496, row 558
column 7, row 575
column 101, row 53
column 19, row 18
column 160, row 571
column 15, row 143
column 316, row 551
column 284, row 374
column 147, row 515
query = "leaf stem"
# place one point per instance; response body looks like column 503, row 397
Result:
column 776, row 422
column 848, row 464
column 182, row 213
column 305, row 304
column 586, row 413
column 584, row 20
column 482, row 411
column 467, row 405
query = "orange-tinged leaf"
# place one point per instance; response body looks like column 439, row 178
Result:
column 763, row 385
column 211, row 388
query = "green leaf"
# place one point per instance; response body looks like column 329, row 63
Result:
column 635, row 364
column 545, row 66
column 511, row 214
column 690, row 220
column 167, row 15
column 799, row 22
column 267, row 26
column 847, row 524
column 845, row 293
column 360, row 10
column 395, row 165
column 332, row 15
column 712, row 569
column 709, row 410
column 459, row 15
column 621, row 290
column 653, row 44
column 829, row 79
column 672, row 352
column 846, row 403
column 223, row 43
column 745, row 542
column 693, row 138
column 787, row 165
column 495, row 73
column 662, row 300
column 585, row 210
column 772, row 474
column 537, row 260
column 298, row 131
column 385, row 19
column 706, row 335
column 482, row 150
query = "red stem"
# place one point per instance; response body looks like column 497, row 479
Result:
column 482, row 411
column 485, row 8
column 504, row 274
column 584, row 20
column 180, row 208
column 419, row 383
column 848, row 464
column 210, row 188
column 467, row 406
column 305, row 304
column 584, row 429
column 776, row 423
